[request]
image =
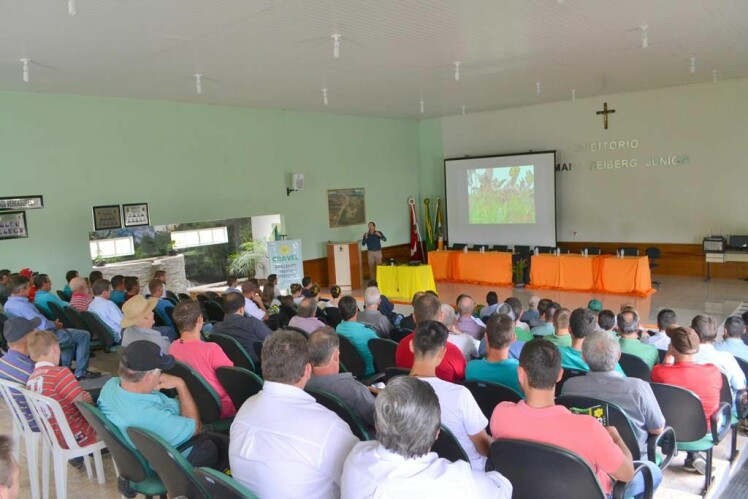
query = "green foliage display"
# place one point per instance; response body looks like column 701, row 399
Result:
column 496, row 200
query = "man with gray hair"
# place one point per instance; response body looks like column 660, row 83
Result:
column 324, row 352
column 628, row 330
column 284, row 444
column 634, row 396
column 399, row 463
column 305, row 318
column 371, row 316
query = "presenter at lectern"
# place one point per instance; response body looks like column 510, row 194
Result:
column 373, row 242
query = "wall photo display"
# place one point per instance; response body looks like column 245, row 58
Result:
column 13, row 225
column 136, row 214
column 346, row 207
column 107, row 217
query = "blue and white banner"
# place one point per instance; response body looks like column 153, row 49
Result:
column 286, row 262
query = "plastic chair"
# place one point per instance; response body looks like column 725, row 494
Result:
column 233, row 350
column 448, row 447
column 489, row 395
column 62, row 295
column 99, row 330
column 398, row 333
column 635, row 367
column 207, row 400
column 567, row 375
column 618, row 418
column 170, row 295
column 629, row 250
column 683, row 411
column 653, row 254
column 132, row 468
column 296, row 330
column 27, row 427
column 352, row 360
column 218, row 485
column 333, row 316
column 545, row 249
column 522, row 249
column 44, row 410
column 565, row 474
column 500, row 247
column 594, row 250
column 75, row 318
column 214, row 310
column 725, row 395
column 59, row 313
column 239, row 383
column 183, row 296
column 172, row 467
column 48, row 314
column 342, row 409
column 383, row 351
column 459, row 246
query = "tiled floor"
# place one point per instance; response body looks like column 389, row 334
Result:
column 687, row 296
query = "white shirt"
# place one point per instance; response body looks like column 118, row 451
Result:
column 660, row 340
column 461, row 415
column 726, row 362
column 285, row 445
column 109, row 312
column 251, row 308
column 373, row 471
column 466, row 343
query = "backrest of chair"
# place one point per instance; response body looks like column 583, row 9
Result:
column 296, row 330
column 653, row 253
column 544, row 249
column 500, row 247
column 629, row 250
column 59, row 313
column 383, row 351
column 489, row 395
column 130, row 462
column 49, row 414
column 459, row 246
column 522, row 249
column 183, row 296
column 16, row 402
column 171, row 296
column 98, row 327
column 392, row 372
column 725, row 393
column 342, row 409
column 398, row 333
column 564, row 473
column 218, row 485
column 75, row 318
column 594, row 250
column 616, row 417
column 333, row 316
column 682, row 410
column 350, row 357
column 212, row 295
column 46, row 313
column 567, row 375
column 214, row 310
column 635, row 367
column 61, row 294
column 239, row 383
column 172, row 468
column 206, row 398
column 447, row 446
column 233, row 350
column 742, row 363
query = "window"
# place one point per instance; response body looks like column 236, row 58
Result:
column 109, row 248
column 199, row 237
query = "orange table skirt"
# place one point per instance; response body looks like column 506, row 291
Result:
column 606, row 274
column 473, row 267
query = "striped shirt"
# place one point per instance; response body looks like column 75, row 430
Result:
column 80, row 301
column 58, row 383
column 16, row 367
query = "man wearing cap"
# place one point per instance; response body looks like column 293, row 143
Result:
column 16, row 365
column 137, row 323
column 18, row 304
column 133, row 399
column 679, row 369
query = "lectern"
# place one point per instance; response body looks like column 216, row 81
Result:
column 344, row 265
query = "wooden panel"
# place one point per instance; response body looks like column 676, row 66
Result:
column 330, row 265
column 317, row 268
column 357, row 275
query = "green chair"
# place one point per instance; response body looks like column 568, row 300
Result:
column 233, row 350
column 342, row 409
column 239, row 383
column 207, row 400
column 100, row 332
column 448, row 447
column 218, row 485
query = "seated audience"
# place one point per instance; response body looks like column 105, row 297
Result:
column 497, row 367
column 606, row 322
column 706, row 327
column 58, row 383
column 581, row 325
column 628, row 330
column 544, row 327
column 386, row 307
column 4, row 290
column 18, row 305
column 81, row 297
column 371, row 314
column 69, row 276
column 399, row 464
column 269, row 291
column 332, row 312
column 632, row 395
column 94, row 276
column 44, row 295
column 296, row 295
column 492, row 303
column 284, row 444
column 119, row 293
column 459, row 410
column 10, row 472
column 561, row 336
column 465, row 320
column 204, row 357
column 595, row 305
column 324, row 353
column 335, row 292
column 157, row 290
column 161, row 276
column 520, row 327
column 305, row 318
column 132, row 287
column 306, row 287
column 105, row 309
column 137, row 323
column 247, row 330
column 408, row 321
column 679, row 369
column 231, row 285
column 15, row 364
column 253, row 305
column 733, row 341
column 531, row 314
column 466, row 343
column 134, row 399
column 452, row 367
column 356, row 332
column 538, row 419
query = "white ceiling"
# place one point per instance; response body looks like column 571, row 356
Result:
column 278, row 53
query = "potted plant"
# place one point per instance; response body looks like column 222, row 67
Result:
column 518, row 272
column 248, row 259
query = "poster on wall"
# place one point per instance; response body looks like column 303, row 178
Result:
column 346, row 207
column 286, row 262
column 107, row 217
column 13, row 225
column 136, row 214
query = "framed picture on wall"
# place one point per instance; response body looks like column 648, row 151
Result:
column 136, row 214
column 107, row 217
column 13, row 225
column 346, row 207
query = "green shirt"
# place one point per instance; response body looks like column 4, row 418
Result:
column 572, row 359
column 562, row 341
column 648, row 353
column 503, row 372
column 523, row 334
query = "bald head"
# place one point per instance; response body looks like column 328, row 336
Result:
column 465, row 306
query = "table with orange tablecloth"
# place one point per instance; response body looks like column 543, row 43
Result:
column 492, row 267
column 629, row 275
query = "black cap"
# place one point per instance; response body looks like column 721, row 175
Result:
column 143, row 355
column 17, row 327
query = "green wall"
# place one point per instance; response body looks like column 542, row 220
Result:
column 192, row 163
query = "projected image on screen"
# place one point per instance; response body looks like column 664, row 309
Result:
column 504, row 195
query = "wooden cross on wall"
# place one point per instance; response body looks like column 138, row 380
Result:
column 605, row 112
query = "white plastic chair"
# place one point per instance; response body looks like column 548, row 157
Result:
column 43, row 409
column 22, row 428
